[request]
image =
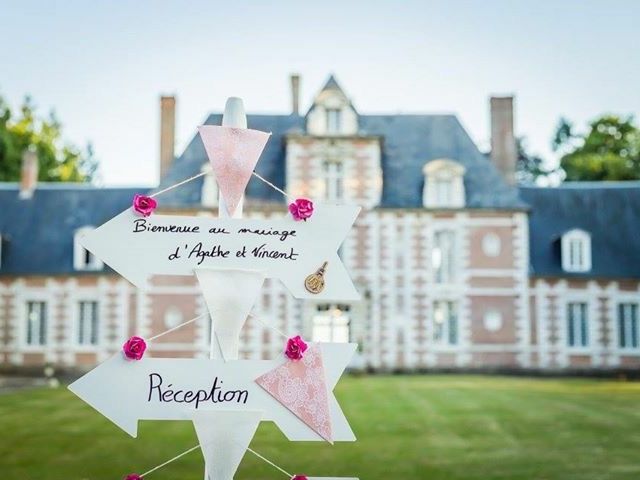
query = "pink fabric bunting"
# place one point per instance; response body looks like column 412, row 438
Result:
column 301, row 387
column 233, row 153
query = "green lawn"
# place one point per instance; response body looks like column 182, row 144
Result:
column 409, row 427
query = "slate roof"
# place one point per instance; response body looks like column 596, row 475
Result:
column 409, row 141
column 331, row 83
column 610, row 212
column 37, row 233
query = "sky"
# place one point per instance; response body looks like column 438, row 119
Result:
column 102, row 66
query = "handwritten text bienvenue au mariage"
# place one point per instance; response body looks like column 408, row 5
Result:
column 200, row 252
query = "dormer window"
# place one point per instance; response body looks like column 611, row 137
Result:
column 576, row 251
column 332, row 113
column 443, row 191
column 83, row 259
column 443, row 184
column 334, row 121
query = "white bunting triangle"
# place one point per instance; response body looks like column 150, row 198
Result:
column 230, row 296
column 224, row 436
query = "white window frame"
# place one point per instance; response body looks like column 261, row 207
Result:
column 24, row 295
column 43, row 324
column 627, row 310
column 333, row 176
column 80, row 253
column 79, row 321
column 576, row 251
column 335, row 323
column 571, row 322
column 443, row 258
column 333, row 121
column 452, row 313
column 443, row 175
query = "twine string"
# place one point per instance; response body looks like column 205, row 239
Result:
column 208, row 171
column 169, row 461
column 269, row 462
column 179, row 184
column 255, row 317
column 282, row 334
column 177, row 327
column 180, row 455
column 260, row 177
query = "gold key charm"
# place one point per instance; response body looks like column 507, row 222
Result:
column 314, row 283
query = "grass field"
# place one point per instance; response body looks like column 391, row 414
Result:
column 409, row 427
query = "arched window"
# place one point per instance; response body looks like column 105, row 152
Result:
column 443, row 184
column 83, row 259
column 576, row 251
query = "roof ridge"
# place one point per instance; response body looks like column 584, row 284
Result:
column 74, row 186
column 591, row 185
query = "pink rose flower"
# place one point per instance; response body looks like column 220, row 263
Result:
column 133, row 476
column 295, row 348
column 299, row 477
column 134, row 348
column 301, row 209
column 144, row 205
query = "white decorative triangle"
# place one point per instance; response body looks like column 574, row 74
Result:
column 224, row 436
column 230, row 296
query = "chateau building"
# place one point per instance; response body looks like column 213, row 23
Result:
column 457, row 266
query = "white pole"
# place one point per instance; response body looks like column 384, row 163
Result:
column 234, row 116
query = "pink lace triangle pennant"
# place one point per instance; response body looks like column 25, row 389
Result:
column 301, row 387
column 233, row 153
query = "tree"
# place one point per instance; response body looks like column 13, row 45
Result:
column 529, row 167
column 610, row 150
column 58, row 161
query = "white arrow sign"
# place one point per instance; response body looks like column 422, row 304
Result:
column 139, row 247
column 126, row 391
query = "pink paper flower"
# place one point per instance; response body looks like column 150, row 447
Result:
column 295, row 348
column 134, row 348
column 133, row 476
column 299, row 477
column 144, row 205
column 301, row 209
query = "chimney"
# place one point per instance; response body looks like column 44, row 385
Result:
column 295, row 94
column 503, row 142
column 167, row 132
column 29, row 173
